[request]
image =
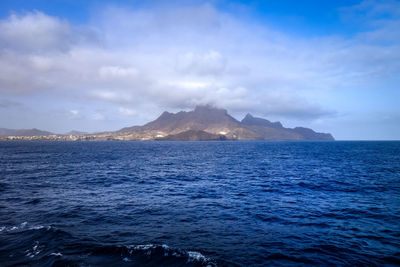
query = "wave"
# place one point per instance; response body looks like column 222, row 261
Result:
column 22, row 226
column 165, row 252
column 39, row 245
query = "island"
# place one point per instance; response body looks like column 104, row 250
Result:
column 201, row 124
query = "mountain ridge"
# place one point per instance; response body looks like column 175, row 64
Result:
column 23, row 132
column 202, row 123
column 217, row 124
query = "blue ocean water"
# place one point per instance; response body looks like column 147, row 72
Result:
column 199, row 203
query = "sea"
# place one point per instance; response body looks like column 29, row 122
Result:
column 206, row 203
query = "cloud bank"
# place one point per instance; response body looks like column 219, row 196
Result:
column 142, row 61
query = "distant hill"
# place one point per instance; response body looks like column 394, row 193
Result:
column 309, row 134
column 275, row 131
column 23, row 132
column 252, row 121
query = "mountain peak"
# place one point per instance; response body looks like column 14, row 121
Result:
column 248, row 117
column 165, row 114
column 23, row 132
column 253, row 121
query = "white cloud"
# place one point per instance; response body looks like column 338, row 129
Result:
column 175, row 58
column 97, row 117
column 210, row 63
column 188, row 84
column 34, row 32
column 117, row 72
column 74, row 112
column 37, row 32
column 127, row 111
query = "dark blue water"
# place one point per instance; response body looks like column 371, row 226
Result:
column 199, row 203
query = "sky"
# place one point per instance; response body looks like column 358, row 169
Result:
column 333, row 66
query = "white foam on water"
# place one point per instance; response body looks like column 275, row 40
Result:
column 36, row 227
column 36, row 249
column 192, row 256
column 196, row 256
column 57, row 254
column 142, row 247
column 126, row 259
column 18, row 227
column 22, row 226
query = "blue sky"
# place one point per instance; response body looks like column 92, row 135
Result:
column 333, row 66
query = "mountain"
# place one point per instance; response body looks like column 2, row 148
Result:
column 204, row 118
column 275, row 131
column 250, row 120
column 23, row 132
column 210, row 123
column 202, row 123
column 309, row 134
column 267, row 130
